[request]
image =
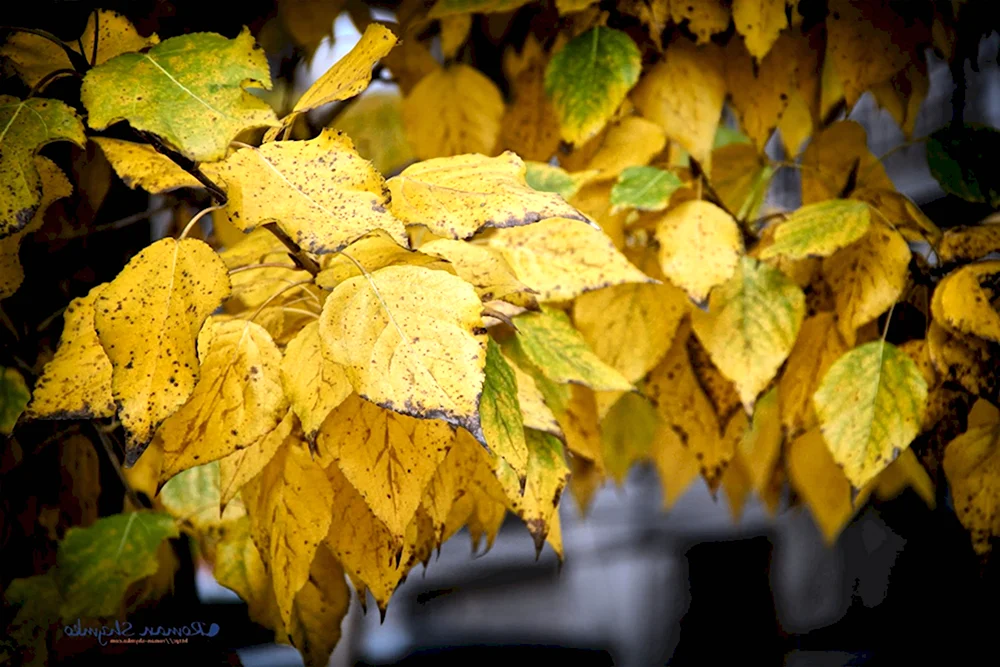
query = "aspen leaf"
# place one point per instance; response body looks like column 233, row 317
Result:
column 28, row 126
column 562, row 258
column 187, row 90
column 34, row 57
column 588, row 78
column 818, row 345
column 411, row 340
column 238, row 468
column 530, row 126
column 321, row 192
column 350, row 75
column 815, row 476
column 700, row 247
column 458, row 196
column 630, row 327
column 551, row 343
column 972, row 466
column 837, row 157
column 373, row 251
column 760, row 92
column 147, row 320
column 500, row 413
column 644, row 188
column 481, row 266
column 818, row 230
column 238, row 398
column 55, row 186
column 314, row 384
column 76, row 384
column 289, row 506
column 546, row 178
column 14, row 396
column 962, row 244
column 627, row 433
column 870, row 405
column 966, row 300
column 690, row 118
column 761, row 444
column 451, row 111
column 96, row 565
column 388, row 458
column 760, row 22
column 704, row 18
column 139, row 165
column 374, row 122
column 676, row 464
column 319, row 607
column 751, row 325
column 867, row 277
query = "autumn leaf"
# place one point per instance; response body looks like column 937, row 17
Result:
column 588, row 78
column 193, row 497
column 741, row 177
column 314, row 384
column 534, row 411
column 320, row 192
column 147, row 320
column 14, row 396
column 836, row 158
column 700, row 247
column 453, row 110
column 238, row 566
column 644, row 188
column 140, row 165
column 818, row 230
column 631, row 141
column 870, row 405
column 627, row 434
column 319, row 607
column 962, row 243
column 551, row 343
column 761, row 444
column 816, row 348
column 500, row 412
column 410, row 339
column 188, row 90
column 443, row 8
column 972, row 466
column 96, row 565
column 530, row 126
column 482, row 267
column 964, row 300
column 562, row 258
column 309, row 22
column 458, row 196
column 28, row 125
column 760, row 22
column 815, row 475
column 238, row 468
column 704, row 18
column 374, row 122
column 238, row 398
column 759, row 85
column 373, row 251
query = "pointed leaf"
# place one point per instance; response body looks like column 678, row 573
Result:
column 14, row 395
column 500, row 412
column 700, row 247
column 243, row 465
column 815, row 476
column 972, row 466
column 627, row 434
column 760, row 22
column 319, row 608
column 818, row 230
column 964, row 300
column 644, row 188
column 314, row 384
column 139, row 165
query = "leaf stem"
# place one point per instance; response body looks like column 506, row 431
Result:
column 49, row 78
column 77, row 60
column 191, row 223
column 113, row 458
column 264, row 265
column 274, row 296
column 298, row 255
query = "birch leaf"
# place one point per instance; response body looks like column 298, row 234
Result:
column 314, row 384
column 482, row 267
column 319, row 608
column 818, row 230
column 760, row 22
column 148, row 319
column 244, row 464
column 188, row 90
column 644, row 188
column 818, row 345
column 700, row 247
column 964, row 300
column 814, row 474
column 500, row 412
column 627, row 434
column 972, row 466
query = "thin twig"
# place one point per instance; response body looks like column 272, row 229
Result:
column 113, row 457
column 274, row 296
column 50, row 77
column 77, row 60
column 298, row 255
column 187, row 165
column 264, row 265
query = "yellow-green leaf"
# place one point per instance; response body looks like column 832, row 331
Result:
column 374, row 122
column 819, row 230
column 644, row 189
column 450, row 7
column 547, row 178
column 818, row 345
column 627, row 434
column 700, row 247
column 481, row 266
column 761, row 444
column 456, row 197
column 148, row 319
column 870, row 406
column 314, row 384
column 14, row 395
column 500, row 412
column 589, row 77
column 25, row 127
column 188, row 90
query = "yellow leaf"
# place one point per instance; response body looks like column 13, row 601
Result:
column 902, row 95
column 867, row 277
column 578, row 420
column 700, row 247
column 594, row 201
column 148, row 319
column 374, row 251
column 318, row 609
column 410, row 63
column 451, row 480
column 481, row 266
column 139, row 165
column 966, row 360
column 684, row 95
column 675, row 391
column 314, row 384
column 818, row 345
column 238, row 468
column 374, row 122
column 291, row 183
column 870, row 406
column 350, row 75
column 535, row 413
column 239, row 567
column 737, row 484
column 289, row 507
column 796, row 124
column 676, row 464
column 760, row 22
column 645, row 315
column 903, row 473
column 818, row 230
column 761, row 444
column 454, row 31
column 964, row 300
column 389, row 458
column 309, row 22
column 410, row 339
column 760, row 93
column 530, row 126
column 705, row 17
column 254, row 287
column 500, row 413
column 972, row 466
column 836, row 157
column 76, row 384
column 629, row 142
column 627, row 433
column 586, row 479
column 459, row 196
column 962, row 244
column 816, row 477
column 237, row 401
column 562, row 258
column 741, row 177
column 34, row 57
column 451, row 111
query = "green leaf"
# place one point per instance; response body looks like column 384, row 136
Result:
column 725, row 135
column 751, row 325
column 549, row 341
column 14, row 395
column 189, row 91
column 644, row 188
column 870, row 406
column 451, row 7
column 963, row 160
column 96, row 565
column 546, row 178
column 193, row 496
column 26, row 126
column 500, row 411
column 818, row 230
column 589, row 78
